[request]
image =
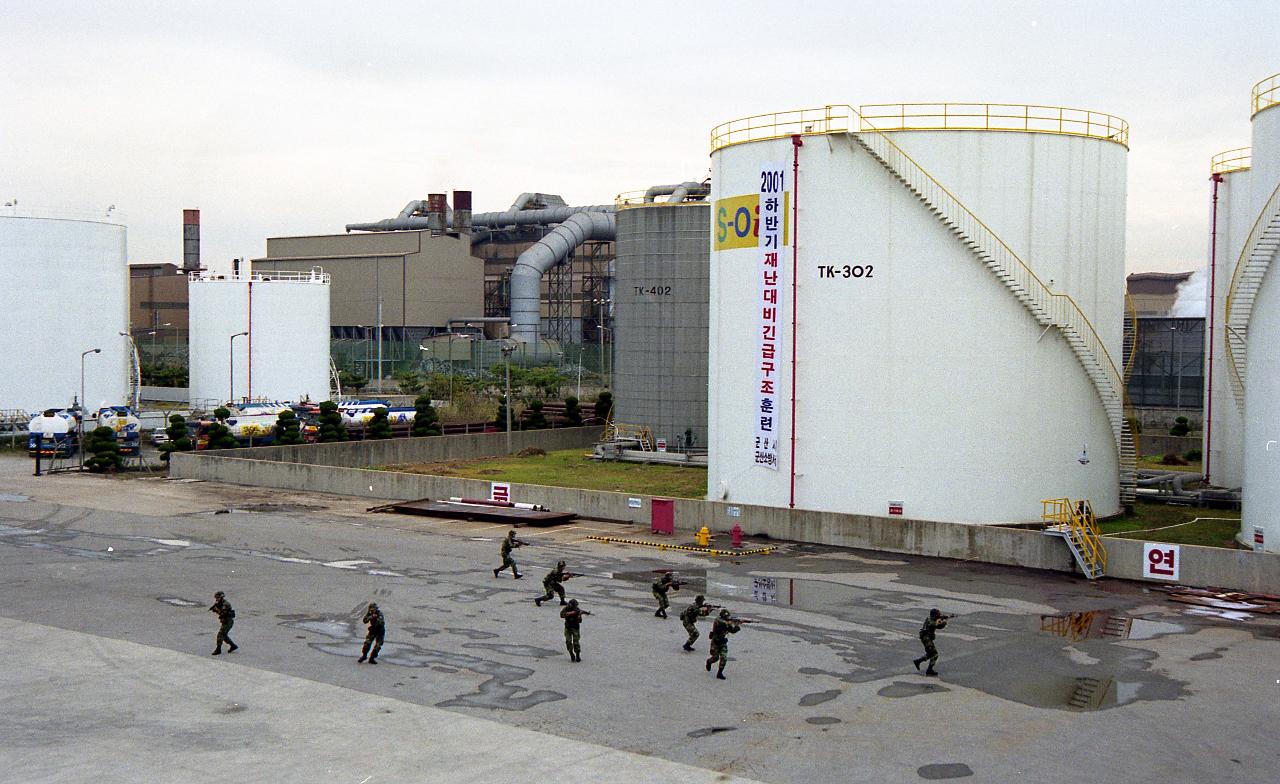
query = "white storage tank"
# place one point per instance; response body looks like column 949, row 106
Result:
column 65, row 292
column 280, row 351
column 958, row 311
column 1253, row 319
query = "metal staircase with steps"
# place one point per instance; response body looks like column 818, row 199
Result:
column 1049, row 309
column 1076, row 524
column 1251, row 269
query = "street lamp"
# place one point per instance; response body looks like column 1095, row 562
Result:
column 231, row 383
column 508, row 348
column 601, row 328
column 80, row 424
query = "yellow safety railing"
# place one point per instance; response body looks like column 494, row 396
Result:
column 637, row 199
column 1237, row 320
column 1028, row 118
column 1080, row 519
column 1266, row 93
column 1239, row 159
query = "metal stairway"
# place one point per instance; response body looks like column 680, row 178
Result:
column 1251, row 269
column 1048, row 308
column 1078, row 527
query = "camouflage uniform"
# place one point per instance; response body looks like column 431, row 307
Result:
column 227, row 619
column 689, row 617
column 377, row 631
column 507, row 561
column 660, row 588
column 934, row 622
column 573, row 629
column 720, row 631
column 552, row 584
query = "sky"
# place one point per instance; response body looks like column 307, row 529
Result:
column 281, row 118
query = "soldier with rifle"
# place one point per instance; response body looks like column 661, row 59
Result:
column 508, row 544
column 226, row 619
column 667, row 582
column 377, row 632
column 572, row 615
column 932, row 624
column 553, row 584
column 690, row 615
column 723, row 626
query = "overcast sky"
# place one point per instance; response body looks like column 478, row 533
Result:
column 297, row 118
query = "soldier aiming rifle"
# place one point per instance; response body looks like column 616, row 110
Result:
column 932, row 624
column 572, row 615
column 667, row 582
column 552, row 584
column 690, row 615
column 723, row 626
column 508, row 544
column 226, row 619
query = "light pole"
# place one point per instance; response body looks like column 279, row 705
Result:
column 508, row 347
column 379, row 345
column 231, row 392
column 600, row 328
column 80, row 422
column 1175, row 363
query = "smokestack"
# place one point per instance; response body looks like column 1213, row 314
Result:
column 462, row 211
column 436, row 204
column 190, row 240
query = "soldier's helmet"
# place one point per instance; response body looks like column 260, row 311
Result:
column 219, row 595
column 573, row 602
column 935, row 612
column 373, row 605
column 511, row 534
column 724, row 614
column 560, row 564
column 699, row 599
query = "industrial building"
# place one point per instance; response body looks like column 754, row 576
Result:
column 66, row 304
column 932, row 324
column 1241, row 444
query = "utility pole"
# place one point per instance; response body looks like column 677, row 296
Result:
column 379, row 344
column 507, row 348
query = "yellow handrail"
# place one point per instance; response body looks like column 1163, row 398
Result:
column 1239, row 159
column 1233, row 330
column 1080, row 519
column 638, row 199
column 1266, row 93
column 1027, row 118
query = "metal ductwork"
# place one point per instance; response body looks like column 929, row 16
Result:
column 495, row 220
column 554, row 248
column 678, row 193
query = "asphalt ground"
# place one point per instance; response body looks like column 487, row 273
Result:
column 105, row 672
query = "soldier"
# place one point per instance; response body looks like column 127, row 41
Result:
column 573, row 629
column 660, row 587
column 932, row 624
column 377, row 631
column 553, row 584
column 689, row 617
column 507, row 561
column 227, row 619
column 720, row 631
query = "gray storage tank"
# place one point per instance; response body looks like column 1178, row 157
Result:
column 661, row 302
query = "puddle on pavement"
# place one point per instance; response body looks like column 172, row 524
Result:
column 944, row 770
column 708, row 731
column 14, row 498
column 817, row 698
column 822, row 720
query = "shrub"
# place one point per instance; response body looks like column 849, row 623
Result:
column 106, row 451
column 500, row 420
column 604, row 404
column 331, row 426
column 536, row 419
column 219, row 436
column 1181, row 426
column 1193, row 455
column 572, row 412
column 410, row 382
column 288, row 429
column 378, row 427
column 221, row 414
column 1172, row 459
column 352, row 381
column 179, row 437
column 426, row 422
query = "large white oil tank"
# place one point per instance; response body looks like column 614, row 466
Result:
column 1253, row 317
column 65, row 292
column 272, row 327
column 958, row 313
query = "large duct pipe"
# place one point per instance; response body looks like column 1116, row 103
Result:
column 678, row 192
column 495, row 220
column 555, row 247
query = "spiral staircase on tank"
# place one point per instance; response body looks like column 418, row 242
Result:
column 1255, row 259
column 1049, row 309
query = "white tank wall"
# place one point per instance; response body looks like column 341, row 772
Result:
column 66, row 290
column 290, row 339
column 928, row 383
column 1266, row 156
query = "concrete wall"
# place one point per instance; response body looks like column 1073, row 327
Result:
column 1156, row 445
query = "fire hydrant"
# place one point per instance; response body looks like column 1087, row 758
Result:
column 703, row 537
column 736, row 535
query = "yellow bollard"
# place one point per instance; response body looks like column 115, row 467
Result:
column 703, row 537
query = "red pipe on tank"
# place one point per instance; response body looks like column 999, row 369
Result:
column 249, row 392
column 1213, row 290
column 796, row 144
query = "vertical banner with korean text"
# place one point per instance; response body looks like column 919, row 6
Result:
column 768, row 365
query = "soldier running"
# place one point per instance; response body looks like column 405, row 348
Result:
column 553, row 584
column 573, row 629
column 377, row 631
column 720, row 631
column 660, row 587
column 227, row 619
column 689, row 617
column 507, row 561
column 932, row 624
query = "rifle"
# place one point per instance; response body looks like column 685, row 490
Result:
column 741, row 620
column 713, row 606
column 570, row 575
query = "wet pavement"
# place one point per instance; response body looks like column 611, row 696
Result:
column 1044, row 677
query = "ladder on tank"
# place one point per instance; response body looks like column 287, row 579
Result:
column 1078, row 527
column 1260, row 249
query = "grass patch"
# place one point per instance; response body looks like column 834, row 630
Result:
column 572, row 468
column 1217, row 532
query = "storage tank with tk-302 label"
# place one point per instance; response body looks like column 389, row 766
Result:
column 66, row 293
column 661, row 304
column 957, row 311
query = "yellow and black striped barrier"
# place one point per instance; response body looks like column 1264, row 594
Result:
column 683, row 547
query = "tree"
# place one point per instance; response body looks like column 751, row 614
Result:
column 288, row 429
column 218, row 436
column 352, row 381
column 546, row 380
column 378, row 427
column 425, row 420
column 604, row 404
column 501, row 419
column 106, row 451
column 410, row 382
column 331, row 427
column 1181, row 426
column 572, row 412
column 536, row 419
column 179, row 437
column 221, row 413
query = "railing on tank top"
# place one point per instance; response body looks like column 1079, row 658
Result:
column 1237, row 319
column 1266, row 93
column 315, row 275
column 1239, row 159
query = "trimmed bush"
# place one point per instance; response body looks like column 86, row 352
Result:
column 379, row 427
column 331, row 427
column 288, row 429
column 106, row 451
column 426, row 422
column 179, row 437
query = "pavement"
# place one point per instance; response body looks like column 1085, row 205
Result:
column 105, row 673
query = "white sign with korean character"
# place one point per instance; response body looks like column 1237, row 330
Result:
column 1161, row 561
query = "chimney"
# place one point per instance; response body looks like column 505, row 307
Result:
column 462, row 212
column 436, row 205
column 190, row 240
